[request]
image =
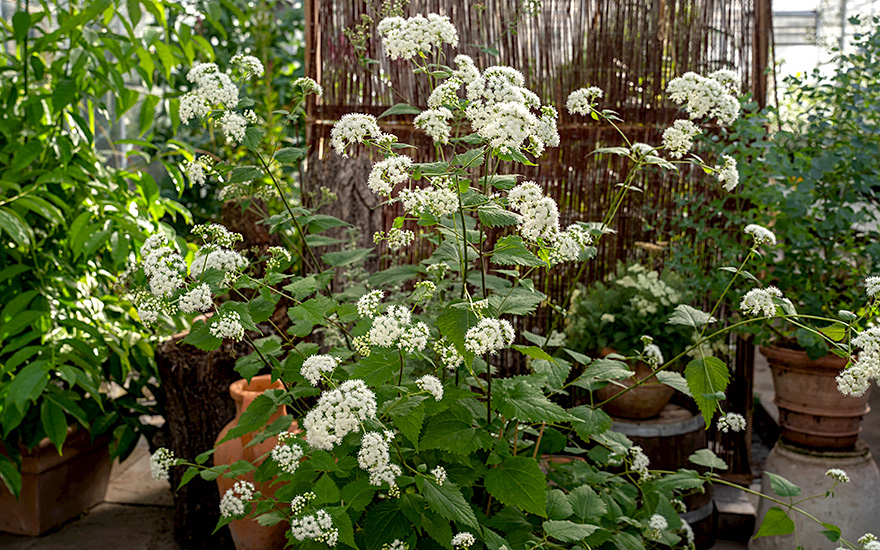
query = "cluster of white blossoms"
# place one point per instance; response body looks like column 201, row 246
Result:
column 396, row 545
column 396, row 329
column 160, row 462
column 375, row 459
column 233, row 501
column 688, row 532
column 463, row 540
column 406, row 38
column 197, row 170
column 837, row 475
column 248, row 64
column 234, row 126
column 869, row 542
column 439, row 201
column 582, row 102
column 277, row 255
column 489, row 336
column 213, row 87
column 338, row 413
column 710, row 96
column 569, row 244
column 726, row 173
column 539, row 215
column 855, row 379
column 356, row 128
column 872, row 286
column 314, row 366
column 640, row 462
column 449, row 356
column 423, row 291
column 228, row 325
column 760, row 234
column 652, row 355
column 386, row 174
column 163, row 266
column 397, row 238
column 221, row 259
column 445, row 94
column 432, row 385
column 656, row 525
column 309, row 86
column 435, row 123
column 731, row 422
column 652, row 290
column 759, row 301
column 286, row 453
column 369, row 304
column 317, row 527
column 299, row 502
column 679, row 138
column 439, row 474
column 197, row 299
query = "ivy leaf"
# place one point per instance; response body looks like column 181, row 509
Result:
column 690, row 316
column 782, row 486
column 518, row 398
column 519, row 481
column 706, row 376
column 705, row 457
column 776, row 522
column 567, row 531
column 447, row 501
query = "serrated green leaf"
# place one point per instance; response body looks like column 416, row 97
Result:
column 383, row 524
column 200, row 336
column 346, row 257
column 252, row 137
column 493, row 215
column 410, row 424
column 835, row 332
column 782, row 486
column 831, row 532
column 689, row 316
column 378, row 367
column 451, row 431
column 558, row 506
column 447, row 501
column 705, row 457
column 590, row 422
column 674, row 380
column 706, row 376
column 358, row 494
column 742, row 273
column 254, row 417
column 326, row 491
column 242, row 174
column 291, row 155
column 511, row 250
column 519, row 481
column 586, row 503
column 518, row 398
column 567, row 531
column 775, row 522
column 469, row 159
column 188, row 476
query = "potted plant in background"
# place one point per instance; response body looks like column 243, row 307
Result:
column 625, row 318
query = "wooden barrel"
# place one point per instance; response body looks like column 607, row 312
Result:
column 668, row 440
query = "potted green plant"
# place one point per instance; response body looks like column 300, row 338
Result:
column 627, row 315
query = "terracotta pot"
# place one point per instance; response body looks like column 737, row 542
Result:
column 645, row 401
column 812, row 412
column 55, row 488
column 247, row 534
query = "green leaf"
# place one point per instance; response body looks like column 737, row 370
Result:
column 54, row 423
column 776, row 522
column 10, row 475
column 454, row 323
column 567, row 531
column 590, row 422
column 410, row 424
column 291, row 155
column 518, row 398
column 510, row 250
column 706, row 376
column 270, row 518
column 200, row 336
column 493, row 215
column 586, row 503
column 303, row 287
column 378, row 367
column 16, row 228
column 346, row 257
column 326, row 491
column 358, row 494
column 261, row 309
column 254, row 417
column 447, row 501
column 675, row 380
column 252, row 137
column 689, row 316
column 21, row 23
column 705, row 457
column 558, row 506
column 831, row 532
column 534, row 352
column 64, row 94
column 451, row 431
column 519, row 481
column 469, row 159
column 27, row 385
column 400, row 109
column 782, row 486
column 242, row 174
column 836, row 332
column 384, row 523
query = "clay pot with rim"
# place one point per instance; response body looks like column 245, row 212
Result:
column 812, row 411
column 247, row 534
column 645, row 401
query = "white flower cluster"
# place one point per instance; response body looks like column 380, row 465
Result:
column 287, row 455
column 727, row 174
column 539, row 215
column 234, row 126
column 317, row 527
column 855, row 380
column 354, row 128
column 299, row 502
column 467, row 70
column 760, row 234
column 423, row 291
column 213, row 87
column 406, row 38
column 489, row 336
column 640, row 462
column 656, row 525
column 395, row 328
column 582, row 101
column 248, row 64
column 652, row 355
column 872, row 286
column 375, row 459
column 705, row 96
column 277, row 255
column 838, row 475
column 160, row 462
column 759, row 301
column 432, row 385
column 440, row 201
column 228, row 325
column 338, row 413
column 449, row 356
column 162, row 265
column 446, row 93
column 435, row 123
column 547, row 130
column 731, row 422
column 308, row 85
column 216, row 234
column 397, row 238
column 688, row 532
column 368, row 305
column 149, row 307
column 233, row 501
column 439, row 474
column 463, row 540
column 197, row 299
column 396, row 545
column 679, row 138
column 197, row 170
column 386, row 174
column 315, row 365
column 569, row 244
column 867, row 539
column 652, row 290
column 222, row 259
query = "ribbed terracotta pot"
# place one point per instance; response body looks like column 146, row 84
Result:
column 812, row 412
column 645, row 401
column 247, row 534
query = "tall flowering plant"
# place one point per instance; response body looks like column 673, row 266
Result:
column 413, row 437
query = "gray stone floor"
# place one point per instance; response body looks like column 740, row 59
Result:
column 137, row 514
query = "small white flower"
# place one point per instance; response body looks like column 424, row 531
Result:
column 688, row 532
column 308, row 86
column 222, row 259
column 339, row 412
column 727, row 174
column 399, row 238
column 405, row 38
column 368, row 304
column 233, row 502
column 866, row 538
column 351, row 129
column 679, row 138
column 445, row 94
column 234, row 126
column 640, row 462
column 435, row 123
column 702, row 96
column 656, row 524
column 432, row 385
column 449, row 356
column 873, row 545
column 439, row 474
column 248, row 64
column 386, row 174
column 396, row 545
column 228, row 325
column 299, row 502
column 314, row 366
column 277, row 256
column 463, row 540
column 195, row 171
column 287, row 456
column 441, row 201
column 197, row 299
column 760, row 234
column 872, row 285
column 581, row 102
column 838, row 475
column 414, row 338
column 317, row 527
column 489, row 336
column 759, row 301
column 731, row 422
column 160, row 462
column 652, row 355
column 539, row 214
column 374, row 457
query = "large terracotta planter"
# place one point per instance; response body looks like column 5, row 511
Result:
column 645, row 401
column 247, row 534
column 56, row 488
column 812, row 412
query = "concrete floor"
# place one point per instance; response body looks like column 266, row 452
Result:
column 137, row 513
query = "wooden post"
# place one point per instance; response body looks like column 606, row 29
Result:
column 761, row 50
